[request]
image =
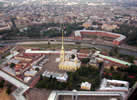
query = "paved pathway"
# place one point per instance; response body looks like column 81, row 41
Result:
column 21, row 87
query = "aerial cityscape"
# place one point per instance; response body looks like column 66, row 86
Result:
column 68, row 49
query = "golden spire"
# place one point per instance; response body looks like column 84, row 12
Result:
column 76, row 59
column 62, row 53
column 63, row 37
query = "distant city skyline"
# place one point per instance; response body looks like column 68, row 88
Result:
column 73, row 0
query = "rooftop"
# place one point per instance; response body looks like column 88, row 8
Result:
column 97, row 53
column 84, row 95
column 116, row 85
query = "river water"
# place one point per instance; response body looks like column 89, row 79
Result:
column 121, row 51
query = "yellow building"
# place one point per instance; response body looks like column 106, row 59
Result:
column 70, row 65
column 109, row 27
column 86, row 25
column 85, row 86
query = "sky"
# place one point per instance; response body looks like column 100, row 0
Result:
column 82, row 0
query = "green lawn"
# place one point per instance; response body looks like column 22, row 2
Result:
column 56, row 46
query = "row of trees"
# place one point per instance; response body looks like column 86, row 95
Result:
column 85, row 60
column 51, row 33
column 129, row 31
column 35, row 31
column 115, row 52
column 74, row 81
column 122, row 73
column 50, row 83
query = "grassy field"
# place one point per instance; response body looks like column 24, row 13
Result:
column 55, row 46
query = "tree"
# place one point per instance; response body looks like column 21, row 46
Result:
column 72, row 56
column 12, row 65
column 9, row 86
column 132, row 69
column 41, row 77
column 48, row 43
column 37, row 69
column 2, row 83
column 85, row 60
column 60, row 86
column 112, row 68
column 131, row 59
column 100, row 65
column 88, row 74
column 129, row 31
column 114, row 51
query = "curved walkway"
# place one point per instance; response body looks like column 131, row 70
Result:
column 21, row 87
